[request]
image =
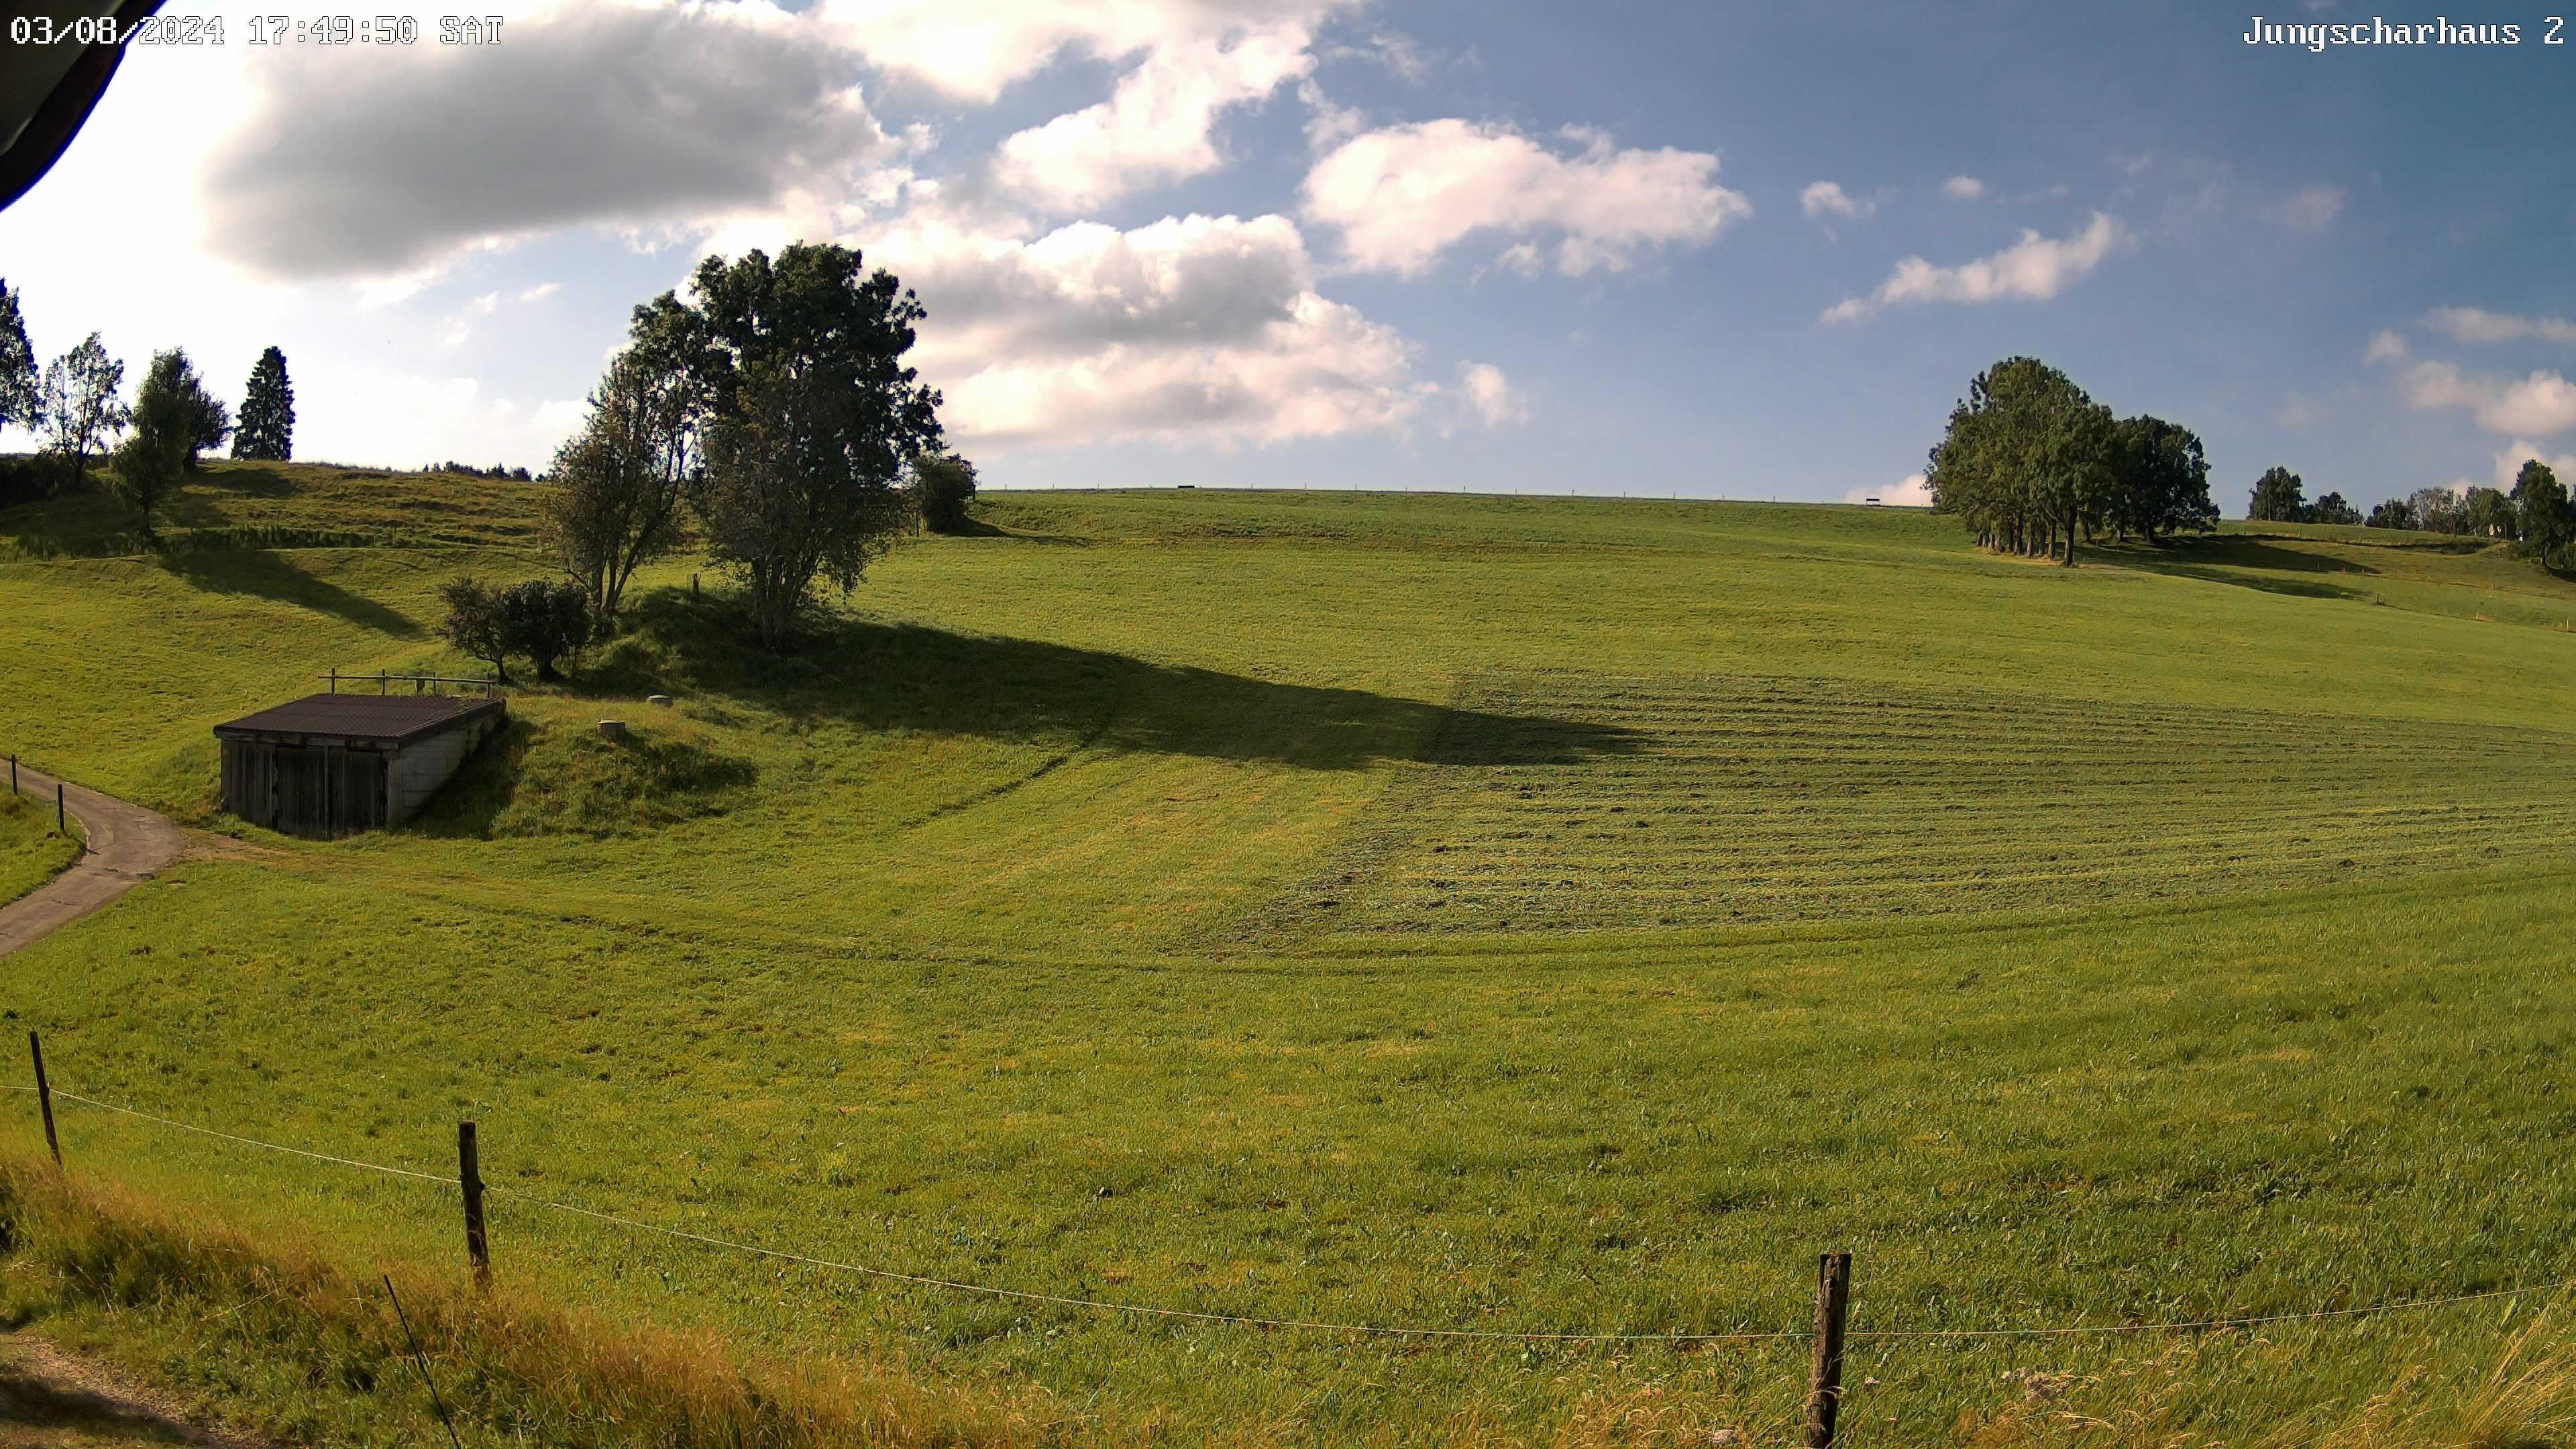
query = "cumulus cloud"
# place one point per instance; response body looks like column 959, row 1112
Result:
column 2033, row 269
column 2474, row 324
column 2541, row 404
column 1491, row 396
column 1401, row 195
column 540, row 292
column 2508, row 463
column 1156, row 127
column 1825, row 198
column 1193, row 329
column 372, row 160
column 1914, row 492
column 1964, row 188
column 2385, row 346
column 2312, row 208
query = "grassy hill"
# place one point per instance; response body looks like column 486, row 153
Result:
column 1462, row 912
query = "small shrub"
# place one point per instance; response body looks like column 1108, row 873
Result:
column 546, row 620
column 475, row 624
column 943, row 488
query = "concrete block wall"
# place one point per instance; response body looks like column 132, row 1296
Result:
column 416, row 771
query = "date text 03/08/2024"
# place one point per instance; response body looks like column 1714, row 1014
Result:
column 261, row 30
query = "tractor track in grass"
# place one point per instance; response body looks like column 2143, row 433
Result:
column 126, row 846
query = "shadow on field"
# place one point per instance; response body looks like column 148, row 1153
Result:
column 2208, row 558
column 271, row 575
column 902, row 676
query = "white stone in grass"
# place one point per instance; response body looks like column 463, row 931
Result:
column 614, row 729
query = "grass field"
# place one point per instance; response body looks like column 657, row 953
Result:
column 31, row 851
column 1461, row 912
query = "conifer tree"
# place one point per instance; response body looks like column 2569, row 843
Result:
column 267, row 427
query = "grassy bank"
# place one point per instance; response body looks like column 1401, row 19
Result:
column 32, row 851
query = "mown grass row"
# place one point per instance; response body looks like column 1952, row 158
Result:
column 1750, row 801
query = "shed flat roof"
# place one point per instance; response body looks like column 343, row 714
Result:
column 391, row 717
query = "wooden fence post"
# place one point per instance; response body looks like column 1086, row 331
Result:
column 1825, row 1374
column 45, row 1098
column 469, row 1176
column 61, row 826
column 13, row 774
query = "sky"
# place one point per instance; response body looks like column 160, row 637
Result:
column 1718, row 250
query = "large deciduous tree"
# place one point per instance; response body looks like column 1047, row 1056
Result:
column 812, row 419
column 2027, row 461
column 173, row 415
column 621, row 481
column 267, row 426
column 2333, row 509
column 2162, row 477
column 2547, row 525
column 2279, row 496
column 81, row 411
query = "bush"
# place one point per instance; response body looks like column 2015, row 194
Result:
column 547, row 621
column 474, row 623
column 943, row 486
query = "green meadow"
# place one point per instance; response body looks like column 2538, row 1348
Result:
column 1455, row 912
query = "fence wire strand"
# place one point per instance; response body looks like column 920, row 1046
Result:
column 1141, row 1310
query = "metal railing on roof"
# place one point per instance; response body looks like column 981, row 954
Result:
column 420, row 683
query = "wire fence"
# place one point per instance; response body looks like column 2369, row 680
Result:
column 1141, row 1310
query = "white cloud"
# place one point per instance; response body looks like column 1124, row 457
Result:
column 1491, row 396
column 2543, row 403
column 2508, row 463
column 2473, row 324
column 2385, row 346
column 540, row 292
column 1156, row 127
column 1401, row 195
column 1826, row 198
column 394, row 159
column 2033, row 269
column 1401, row 55
column 1964, row 188
column 2312, row 208
column 1914, row 492
column 973, row 49
column 1194, row 329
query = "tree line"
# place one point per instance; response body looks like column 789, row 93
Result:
column 2280, row 496
column 2535, row 513
column 768, row 419
column 76, row 407
column 2030, row 462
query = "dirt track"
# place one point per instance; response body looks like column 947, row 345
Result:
column 127, row 843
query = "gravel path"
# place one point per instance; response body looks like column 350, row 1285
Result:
column 127, row 843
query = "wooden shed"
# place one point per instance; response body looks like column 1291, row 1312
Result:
column 336, row 764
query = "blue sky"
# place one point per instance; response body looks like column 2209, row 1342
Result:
column 1734, row 250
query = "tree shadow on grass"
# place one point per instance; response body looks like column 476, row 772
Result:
column 269, row 575
column 904, row 676
column 2214, row 559
column 978, row 528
